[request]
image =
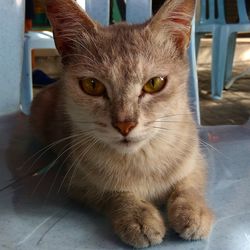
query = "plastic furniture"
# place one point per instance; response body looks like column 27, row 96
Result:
column 227, row 41
column 11, row 50
column 212, row 20
column 235, row 78
column 229, row 33
column 32, row 40
column 193, row 78
column 35, row 216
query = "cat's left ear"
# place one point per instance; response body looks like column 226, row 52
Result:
column 173, row 20
column 69, row 21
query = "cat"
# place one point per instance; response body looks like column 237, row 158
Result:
column 121, row 111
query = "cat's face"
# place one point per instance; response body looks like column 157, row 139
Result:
column 122, row 83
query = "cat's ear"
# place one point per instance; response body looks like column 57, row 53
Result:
column 68, row 20
column 174, row 20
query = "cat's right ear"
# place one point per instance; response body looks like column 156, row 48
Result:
column 173, row 21
column 68, row 20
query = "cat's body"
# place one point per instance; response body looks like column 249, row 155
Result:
column 128, row 148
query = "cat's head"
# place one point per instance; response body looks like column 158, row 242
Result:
column 124, row 84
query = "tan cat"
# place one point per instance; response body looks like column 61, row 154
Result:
column 122, row 100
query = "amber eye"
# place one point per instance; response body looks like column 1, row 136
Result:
column 155, row 85
column 93, row 87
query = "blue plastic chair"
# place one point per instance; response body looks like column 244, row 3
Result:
column 224, row 39
column 32, row 40
column 229, row 32
column 227, row 42
column 193, row 78
column 209, row 22
column 136, row 12
column 11, row 50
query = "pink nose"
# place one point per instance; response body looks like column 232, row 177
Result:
column 124, row 127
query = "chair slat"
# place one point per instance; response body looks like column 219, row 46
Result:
column 203, row 10
column 221, row 11
column 98, row 10
column 211, row 9
column 138, row 11
column 242, row 11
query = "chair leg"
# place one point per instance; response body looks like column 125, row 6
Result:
column 230, row 56
column 197, row 43
column 234, row 79
column 26, row 84
column 193, row 79
column 219, row 57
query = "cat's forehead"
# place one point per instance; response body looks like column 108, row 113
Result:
column 127, row 51
column 123, row 39
column 122, row 55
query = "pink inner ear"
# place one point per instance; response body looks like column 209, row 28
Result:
column 180, row 21
column 67, row 20
column 182, row 16
column 183, row 36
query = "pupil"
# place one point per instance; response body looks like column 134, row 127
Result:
column 93, row 83
column 152, row 82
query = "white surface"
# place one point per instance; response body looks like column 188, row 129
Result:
column 30, row 218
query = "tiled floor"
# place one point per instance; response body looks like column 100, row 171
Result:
column 234, row 108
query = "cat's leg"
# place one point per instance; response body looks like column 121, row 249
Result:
column 135, row 221
column 188, row 212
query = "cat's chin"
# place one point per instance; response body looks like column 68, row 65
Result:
column 127, row 147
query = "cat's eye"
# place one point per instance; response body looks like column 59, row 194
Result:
column 155, row 85
column 92, row 86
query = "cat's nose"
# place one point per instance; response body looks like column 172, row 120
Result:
column 124, row 127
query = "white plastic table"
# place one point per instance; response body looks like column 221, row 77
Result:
column 35, row 216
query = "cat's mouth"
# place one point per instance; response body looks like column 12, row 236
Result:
column 126, row 141
column 128, row 145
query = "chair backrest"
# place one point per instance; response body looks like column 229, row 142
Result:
column 136, row 11
column 242, row 11
column 11, row 48
column 212, row 11
column 98, row 10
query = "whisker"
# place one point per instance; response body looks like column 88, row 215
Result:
column 171, row 115
column 55, row 161
column 69, row 169
column 80, row 159
column 213, row 148
column 202, row 142
column 171, row 121
column 78, row 146
column 47, row 148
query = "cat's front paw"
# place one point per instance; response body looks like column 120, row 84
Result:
column 192, row 221
column 141, row 227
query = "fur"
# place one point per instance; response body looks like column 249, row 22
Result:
column 161, row 162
